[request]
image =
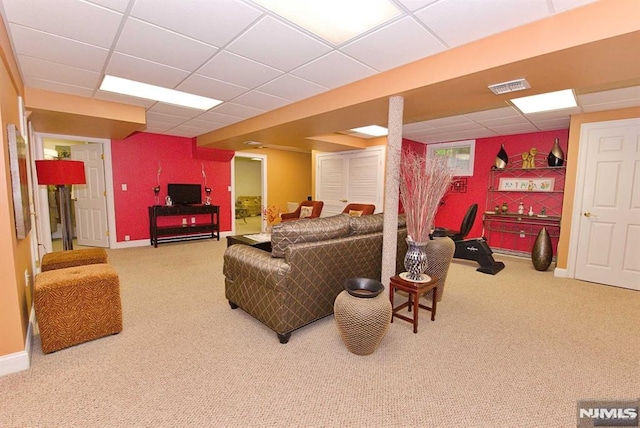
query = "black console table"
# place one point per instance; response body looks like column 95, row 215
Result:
column 185, row 231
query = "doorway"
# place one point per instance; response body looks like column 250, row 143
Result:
column 249, row 192
column 606, row 217
column 45, row 146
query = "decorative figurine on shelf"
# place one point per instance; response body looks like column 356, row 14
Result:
column 530, row 211
column 521, row 208
column 505, row 208
column 529, row 159
column 543, row 212
column 501, row 159
column 556, row 155
column 167, row 201
column 497, row 209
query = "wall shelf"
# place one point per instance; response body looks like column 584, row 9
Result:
column 514, row 232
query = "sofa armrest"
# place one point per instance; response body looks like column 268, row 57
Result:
column 254, row 266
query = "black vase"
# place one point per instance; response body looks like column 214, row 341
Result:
column 556, row 156
column 542, row 252
column 501, row 158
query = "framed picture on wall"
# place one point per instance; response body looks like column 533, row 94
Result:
column 19, row 183
column 460, row 155
column 526, row 184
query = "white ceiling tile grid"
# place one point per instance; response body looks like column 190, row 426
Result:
column 255, row 61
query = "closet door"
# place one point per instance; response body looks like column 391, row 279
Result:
column 350, row 177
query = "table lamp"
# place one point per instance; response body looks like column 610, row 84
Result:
column 61, row 173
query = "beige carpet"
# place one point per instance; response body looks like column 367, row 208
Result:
column 512, row 350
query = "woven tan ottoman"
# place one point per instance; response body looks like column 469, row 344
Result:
column 76, row 305
column 65, row 259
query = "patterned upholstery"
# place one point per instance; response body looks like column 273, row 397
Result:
column 307, row 230
column 65, row 259
column 288, row 292
column 77, row 304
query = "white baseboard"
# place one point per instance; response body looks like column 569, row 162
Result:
column 19, row 361
column 560, row 273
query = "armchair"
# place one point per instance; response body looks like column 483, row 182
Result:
column 361, row 209
column 316, row 209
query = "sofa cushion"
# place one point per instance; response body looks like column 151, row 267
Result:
column 366, row 224
column 306, row 212
column 307, row 230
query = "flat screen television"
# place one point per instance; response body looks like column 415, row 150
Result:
column 185, row 194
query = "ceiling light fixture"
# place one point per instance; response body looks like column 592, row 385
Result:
column 156, row 93
column 372, row 130
column 549, row 101
column 336, row 21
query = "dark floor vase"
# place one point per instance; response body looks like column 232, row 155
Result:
column 542, row 252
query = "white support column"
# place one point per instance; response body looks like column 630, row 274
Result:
column 392, row 188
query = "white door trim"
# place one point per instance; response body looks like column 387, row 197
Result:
column 579, row 189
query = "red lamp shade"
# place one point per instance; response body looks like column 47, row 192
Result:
column 60, row 172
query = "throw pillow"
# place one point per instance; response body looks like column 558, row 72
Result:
column 305, row 212
column 354, row 213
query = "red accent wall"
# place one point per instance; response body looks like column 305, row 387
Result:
column 135, row 163
column 455, row 205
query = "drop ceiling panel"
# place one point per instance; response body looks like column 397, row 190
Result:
column 49, row 85
column 53, row 48
column 498, row 113
column 134, row 68
column 162, row 46
column 262, row 101
column 238, row 70
column 333, row 70
column 80, row 19
column 178, row 111
column 393, row 45
column 291, row 87
column 277, row 45
column 458, row 22
column 414, row 5
column 562, row 5
column 212, row 88
column 224, row 19
column 217, row 118
column 125, row 99
column 52, row 71
column 606, row 97
column 238, row 110
column 117, row 5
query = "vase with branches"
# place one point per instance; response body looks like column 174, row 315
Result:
column 423, row 183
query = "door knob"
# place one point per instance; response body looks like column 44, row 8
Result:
column 587, row 214
column 343, row 200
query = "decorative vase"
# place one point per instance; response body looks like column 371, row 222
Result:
column 556, row 155
column 415, row 261
column 439, row 253
column 542, row 252
column 363, row 315
column 501, row 158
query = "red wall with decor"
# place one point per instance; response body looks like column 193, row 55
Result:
column 456, row 204
column 135, row 163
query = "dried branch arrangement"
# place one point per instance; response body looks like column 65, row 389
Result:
column 423, row 183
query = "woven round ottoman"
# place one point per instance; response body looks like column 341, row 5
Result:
column 363, row 314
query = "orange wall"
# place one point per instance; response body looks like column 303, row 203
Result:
column 288, row 177
column 15, row 255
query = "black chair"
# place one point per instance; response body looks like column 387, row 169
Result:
column 475, row 249
column 465, row 227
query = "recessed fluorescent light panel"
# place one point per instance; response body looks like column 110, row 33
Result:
column 156, row 93
column 546, row 102
column 336, row 21
column 372, row 130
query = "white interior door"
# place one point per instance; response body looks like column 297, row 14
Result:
column 90, row 200
column 350, row 177
column 608, row 250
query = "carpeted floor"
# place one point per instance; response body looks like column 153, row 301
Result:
column 513, row 350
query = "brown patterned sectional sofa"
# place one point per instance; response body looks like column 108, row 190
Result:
column 299, row 280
